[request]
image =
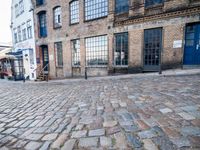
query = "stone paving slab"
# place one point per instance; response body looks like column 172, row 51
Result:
column 128, row 112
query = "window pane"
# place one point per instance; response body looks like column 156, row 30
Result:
column 121, row 49
column 74, row 12
column 152, row 2
column 75, row 52
column 59, row 54
column 95, row 9
column 97, row 51
column 57, row 17
column 121, row 6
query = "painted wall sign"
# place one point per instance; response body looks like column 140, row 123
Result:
column 177, row 44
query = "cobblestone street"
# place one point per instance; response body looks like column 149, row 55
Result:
column 147, row 112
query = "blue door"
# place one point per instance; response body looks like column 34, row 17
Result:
column 192, row 45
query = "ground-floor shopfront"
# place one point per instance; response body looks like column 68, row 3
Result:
column 126, row 48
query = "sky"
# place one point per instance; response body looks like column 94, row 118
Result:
column 5, row 17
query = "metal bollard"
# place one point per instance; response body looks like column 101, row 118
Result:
column 85, row 73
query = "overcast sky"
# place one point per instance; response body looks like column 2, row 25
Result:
column 5, row 16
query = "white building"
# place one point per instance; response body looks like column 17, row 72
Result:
column 22, row 26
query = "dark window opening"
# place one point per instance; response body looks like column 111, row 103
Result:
column 121, row 49
column 42, row 24
column 152, row 2
column 121, row 6
column 39, row 2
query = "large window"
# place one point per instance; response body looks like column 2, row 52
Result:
column 15, row 35
column 24, row 31
column 29, row 29
column 57, row 17
column 121, row 6
column 74, row 12
column 75, row 53
column 42, row 24
column 97, row 51
column 19, row 34
column 121, row 49
column 152, row 2
column 39, row 2
column 59, row 54
column 95, row 9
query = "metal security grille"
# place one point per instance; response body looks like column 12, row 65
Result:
column 152, row 49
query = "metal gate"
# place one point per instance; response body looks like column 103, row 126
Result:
column 152, row 49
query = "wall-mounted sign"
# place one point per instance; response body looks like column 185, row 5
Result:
column 177, row 44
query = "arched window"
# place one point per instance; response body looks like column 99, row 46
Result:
column 42, row 24
column 74, row 12
column 57, row 17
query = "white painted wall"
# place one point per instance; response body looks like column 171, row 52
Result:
column 28, row 43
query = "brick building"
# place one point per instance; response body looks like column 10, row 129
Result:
column 115, row 36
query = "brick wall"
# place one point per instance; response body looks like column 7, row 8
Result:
column 173, row 29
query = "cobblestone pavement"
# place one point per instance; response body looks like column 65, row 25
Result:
column 132, row 113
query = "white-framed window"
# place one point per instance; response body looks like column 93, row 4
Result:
column 59, row 54
column 76, row 53
column 24, row 31
column 74, row 12
column 95, row 9
column 29, row 29
column 15, row 35
column 19, row 34
column 97, row 51
column 57, row 17
column 16, row 10
column 21, row 6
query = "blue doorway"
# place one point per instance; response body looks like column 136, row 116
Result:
column 192, row 45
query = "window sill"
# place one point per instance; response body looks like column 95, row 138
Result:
column 121, row 14
column 58, row 27
column 72, row 24
column 96, row 66
column 154, row 6
column 76, row 66
column 59, row 67
column 96, row 18
column 120, row 66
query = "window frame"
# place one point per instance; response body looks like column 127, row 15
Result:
column 107, row 51
column 115, row 48
column 57, row 25
column 56, row 54
column 79, row 53
column 70, row 10
column 96, row 18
